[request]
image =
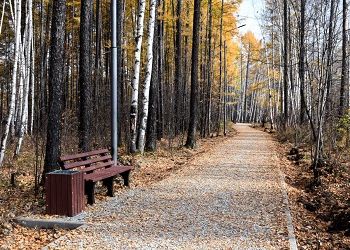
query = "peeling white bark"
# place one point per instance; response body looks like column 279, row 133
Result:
column 14, row 79
column 26, row 76
column 145, row 99
column 2, row 15
column 136, row 77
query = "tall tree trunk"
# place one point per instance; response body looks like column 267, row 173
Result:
column 85, row 76
column 146, row 89
column 56, row 75
column 245, row 113
column 178, row 67
column 25, row 76
column 12, row 105
column 285, row 61
column 302, row 61
column 161, row 77
column 344, row 87
column 209, row 69
column 225, row 89
column 151, row 132
column 323, row 96
column 220, row 70
column 136, row 78
column 191, row 136
column 270, row 88
column 98, row 62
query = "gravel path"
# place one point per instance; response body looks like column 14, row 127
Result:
column 229, row 198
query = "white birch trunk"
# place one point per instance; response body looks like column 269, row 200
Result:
column 20, row 94
column 32, row 85
column 14, row 79
column 2, row 16
column 145, row 99
column 136, row 78
column 26, row 73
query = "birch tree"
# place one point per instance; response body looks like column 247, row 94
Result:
column 27, row 70
column 136, row 77
column 146, row 89
column 17, row 27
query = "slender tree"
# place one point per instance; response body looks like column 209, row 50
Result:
column 302, row 61
column 151, row 133
column 85, row 75
column 225, row 89
column 12, row 105
column 191, row 135
column 344, row 87
column 220, row 69
column 136, row 77
column 209, row 69
column 178, row 66
column 149, row 67
column 285, row 61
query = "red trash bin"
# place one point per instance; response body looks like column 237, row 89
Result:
column 64, row 192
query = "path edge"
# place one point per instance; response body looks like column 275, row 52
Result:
column 291, row 235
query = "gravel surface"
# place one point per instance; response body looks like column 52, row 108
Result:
column 229, row 198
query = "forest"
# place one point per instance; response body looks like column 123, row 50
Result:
column 185, row 72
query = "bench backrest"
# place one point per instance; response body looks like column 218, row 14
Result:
column 86, row 160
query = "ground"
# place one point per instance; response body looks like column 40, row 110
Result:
column 321, row 214
column 227, row 186
column 230, row 197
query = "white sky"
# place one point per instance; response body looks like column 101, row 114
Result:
column 249, row 14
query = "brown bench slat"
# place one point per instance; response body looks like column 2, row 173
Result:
column 106, row 173
column 97, row 166
column 86, row 162
column 83, row 155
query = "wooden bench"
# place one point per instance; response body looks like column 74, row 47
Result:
column 97, row 166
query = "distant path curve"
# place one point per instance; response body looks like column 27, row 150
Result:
column 232, row 198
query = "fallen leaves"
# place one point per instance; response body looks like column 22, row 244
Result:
column 20, row 200
column 312, row 209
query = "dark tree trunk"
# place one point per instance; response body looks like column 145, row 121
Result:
column 330, row 49
column 85, row 75
column 98, row 63
column 220, row 70
column 302, row 62
column 56, row 75
column 178, row 67
column 160, row 106
column 209, row 72
column 191, row 136
column 45, row 32
column 344, row 88
column 151, row 132
column 225, row 89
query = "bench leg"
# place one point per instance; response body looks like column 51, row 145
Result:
column 90, row 191
column 109, row 184
column 125, row 176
